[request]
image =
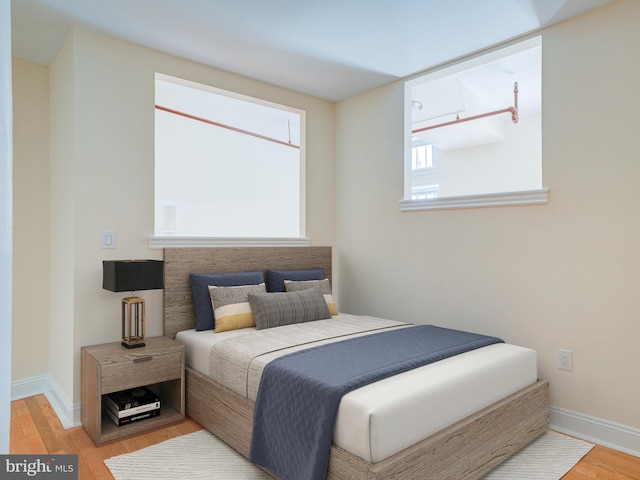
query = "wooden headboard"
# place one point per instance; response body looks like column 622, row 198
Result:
column 179, row 313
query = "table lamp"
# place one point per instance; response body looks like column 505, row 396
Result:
column 132, row 275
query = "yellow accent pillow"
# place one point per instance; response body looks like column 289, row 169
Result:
column 231, row 309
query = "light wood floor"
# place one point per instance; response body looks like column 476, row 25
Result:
column 35, row 429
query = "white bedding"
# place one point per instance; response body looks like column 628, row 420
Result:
column 381, row 419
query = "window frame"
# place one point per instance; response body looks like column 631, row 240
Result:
column 173, row 241
column 525, row 197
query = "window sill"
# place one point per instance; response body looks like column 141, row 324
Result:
column 528, row 197
column 180, row 242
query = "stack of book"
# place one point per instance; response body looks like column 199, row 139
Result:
column 133, row 405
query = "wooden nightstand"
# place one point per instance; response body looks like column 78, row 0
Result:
column 110, row 368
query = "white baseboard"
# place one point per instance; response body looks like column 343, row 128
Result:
column 28, row 387
column 67, row 412
column 596, row 430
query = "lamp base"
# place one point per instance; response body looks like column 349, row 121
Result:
column 133, row 322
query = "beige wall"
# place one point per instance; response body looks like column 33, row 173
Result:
column 30, row 220
column 563, row 275
column 102, row 179
column 62, row 205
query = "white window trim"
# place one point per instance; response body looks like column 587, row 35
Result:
column 528, row 197
column 181, row 242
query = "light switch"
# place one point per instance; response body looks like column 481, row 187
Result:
column 108, row 239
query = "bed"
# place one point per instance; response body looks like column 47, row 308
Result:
column 465, row 449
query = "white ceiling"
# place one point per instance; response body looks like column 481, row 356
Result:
column 331, row 49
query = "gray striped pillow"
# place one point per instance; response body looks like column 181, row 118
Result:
column 280, row 308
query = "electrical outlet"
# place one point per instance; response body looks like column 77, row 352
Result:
column 565, row 359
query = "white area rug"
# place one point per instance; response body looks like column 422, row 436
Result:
column 200, row 455
column 548, row 457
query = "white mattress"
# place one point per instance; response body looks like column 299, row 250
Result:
column 381, row 419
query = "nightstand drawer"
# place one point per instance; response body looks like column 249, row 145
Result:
column 141, row 369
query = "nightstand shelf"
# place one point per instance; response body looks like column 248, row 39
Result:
column 110, row 368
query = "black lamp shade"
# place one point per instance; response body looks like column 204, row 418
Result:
column 131, row 275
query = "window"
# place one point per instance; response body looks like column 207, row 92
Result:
column 426, row 192
column 226, row 165
column 421, row 156
column 481, row 119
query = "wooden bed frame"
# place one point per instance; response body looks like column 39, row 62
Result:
column 465, row 450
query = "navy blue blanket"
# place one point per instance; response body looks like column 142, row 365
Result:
column 299, row 394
